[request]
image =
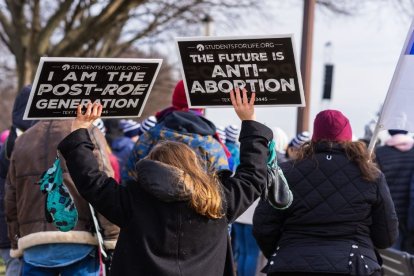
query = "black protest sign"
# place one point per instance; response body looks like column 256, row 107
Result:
column 122, row 86
column 212, row 66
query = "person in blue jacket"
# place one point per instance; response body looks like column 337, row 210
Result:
column 182, row 124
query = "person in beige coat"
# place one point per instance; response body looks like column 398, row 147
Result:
column 42, row 245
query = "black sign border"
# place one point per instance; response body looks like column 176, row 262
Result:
column 246, row 38
column 89, row 60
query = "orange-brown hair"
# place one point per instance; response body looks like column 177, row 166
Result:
column 204, row 188
column 355, row 151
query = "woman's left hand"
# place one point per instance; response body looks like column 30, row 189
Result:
column 93, row 112
column 243, row 107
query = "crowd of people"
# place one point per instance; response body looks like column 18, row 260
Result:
column 178, row 195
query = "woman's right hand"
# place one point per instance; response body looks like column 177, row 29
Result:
column 244, row 109
column 85, row 120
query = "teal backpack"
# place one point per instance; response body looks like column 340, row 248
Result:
column 59, row 206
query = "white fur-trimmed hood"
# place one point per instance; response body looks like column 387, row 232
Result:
column 47, row 237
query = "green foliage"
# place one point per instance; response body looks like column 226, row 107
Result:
column 2, row 267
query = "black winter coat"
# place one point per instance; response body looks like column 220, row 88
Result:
column 160, row 233
column 398, row 168
column 334, row 223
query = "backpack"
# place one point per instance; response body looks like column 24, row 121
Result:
column 277, row 191
column 60, row 208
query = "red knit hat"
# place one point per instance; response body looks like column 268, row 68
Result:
column 179, row 98
column 331, row 125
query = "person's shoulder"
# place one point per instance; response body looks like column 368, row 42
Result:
column 121, row 142
column 385, row 150
column 188, row 122
column 287, row 165
column 382, row 148
column 29, row 135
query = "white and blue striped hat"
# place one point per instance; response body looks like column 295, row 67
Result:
column 130, row 128
column 100, row 125
column 148, row 123
column 300, row 139
column 232, row 133
column 221, row 133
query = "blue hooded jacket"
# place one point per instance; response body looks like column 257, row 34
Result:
column 186, row 127
column 6, row 150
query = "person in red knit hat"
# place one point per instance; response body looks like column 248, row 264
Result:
column 179, row 98
column 331, row 125
column 178, row 102
column 341, row 212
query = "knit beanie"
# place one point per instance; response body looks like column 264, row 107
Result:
column 393, row 132
column 148, row 123
column 19, row 108
column 331, row 125
column 100, row 125
column 3, row 136
column 221, row 133
column 130, row 128
column 232, row 133
column 281, row 139
column 179, row 98
column 300, row 139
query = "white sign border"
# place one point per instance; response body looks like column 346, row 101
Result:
column 218, row 38
column 88, row 59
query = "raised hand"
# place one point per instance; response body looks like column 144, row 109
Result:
column 93, row 112
column 244, row 109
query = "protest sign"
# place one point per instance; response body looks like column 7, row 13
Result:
column 212, row 66
column 122, row 86
column 397, row 111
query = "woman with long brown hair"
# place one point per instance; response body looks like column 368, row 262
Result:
column 342, row 209
column 174, row 217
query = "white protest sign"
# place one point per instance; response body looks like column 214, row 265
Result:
column 397, row 111
column 212, row 66
column 122, row 86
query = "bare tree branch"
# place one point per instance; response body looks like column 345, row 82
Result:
column 95, row 26
column 33, row 28
column 6, row 24
column 6, row 42
column 52, row 23
column 342, row 7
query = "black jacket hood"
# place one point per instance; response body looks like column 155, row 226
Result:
column 190, row 123
column 19, row 108
column 163, row 181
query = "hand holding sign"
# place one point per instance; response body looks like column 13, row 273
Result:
column 122, row 86
column 242, row 106
column 213, row 66
column 93, row 112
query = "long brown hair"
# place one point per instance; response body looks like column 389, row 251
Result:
column 355, row 151
column 203, row 187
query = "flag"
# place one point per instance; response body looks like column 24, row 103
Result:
column 398, row 108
